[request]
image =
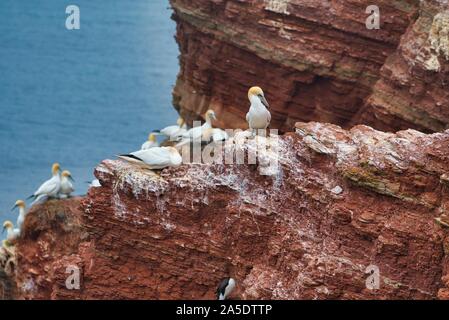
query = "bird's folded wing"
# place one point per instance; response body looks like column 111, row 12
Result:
column 154, row 156
column 47, row 187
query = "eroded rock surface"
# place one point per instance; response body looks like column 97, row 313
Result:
column 316, row 60
column 340, row 202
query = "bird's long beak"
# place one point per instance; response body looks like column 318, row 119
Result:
column 264, row 101
column 4, row 228
column 214, row 116
column 15, row 206
column 71, row 179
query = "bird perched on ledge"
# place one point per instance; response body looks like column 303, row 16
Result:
column 258, row 116
column 22, row 213
column 12, row 234
column 225, row 288
column 150, row 143
column 49, row 188
column 66, row 185
column 154, row 158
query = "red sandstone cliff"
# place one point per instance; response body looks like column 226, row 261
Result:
column 342, row 200
column 316, row 60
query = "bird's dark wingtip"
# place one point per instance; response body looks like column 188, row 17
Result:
column 130, row 156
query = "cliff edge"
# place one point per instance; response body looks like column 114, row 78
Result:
column 341, row 201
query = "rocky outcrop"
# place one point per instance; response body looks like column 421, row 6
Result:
column 412, row 90
column 316, row 60
column 341, row 201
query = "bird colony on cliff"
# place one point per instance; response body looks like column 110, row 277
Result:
column 151, row 156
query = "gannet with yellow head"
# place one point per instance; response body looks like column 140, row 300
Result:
column 66, row 184
column 49, row 188
column 151, row 142
column 22, row 212
column 12, row 234
column 258, row 116
column 154, row 158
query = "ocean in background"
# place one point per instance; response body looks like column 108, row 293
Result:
column 78, row 97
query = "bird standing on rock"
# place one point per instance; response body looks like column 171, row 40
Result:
column 12, row 234
column 225, row 288
column 154, row 158
column 66, row 185
column 22, row 213
column 258, row 116
column 150, row 143
column 49, row 188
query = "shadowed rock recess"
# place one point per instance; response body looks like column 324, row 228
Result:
column 344, row 197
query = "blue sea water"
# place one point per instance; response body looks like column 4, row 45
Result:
column 78, row 97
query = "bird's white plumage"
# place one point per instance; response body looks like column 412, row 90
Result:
column 21, row 217
column 95, row 183
column 149, row 144
column 258, row 116
column 12, row 234
column 156, row 158
column 227, row 290
column 219, row 135
column 174, row 132
column 49, row 188
column 66, row 187
column 200, row 133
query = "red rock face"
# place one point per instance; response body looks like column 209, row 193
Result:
column 413, row 88
column 316, row 60
column 340, row 202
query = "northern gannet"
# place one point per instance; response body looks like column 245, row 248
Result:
column 150, row 143
column 49, row 188
column 155, row 158
column 258, row 116
column 197, row 134
column 95, row 183
column 174, row 132
column 22, row 213
column 66, row 185
column 225, row 288
column 12, row 234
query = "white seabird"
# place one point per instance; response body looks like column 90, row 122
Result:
column 174, row 132
column 22, row 212
column 197, row 134
column 95, row 183
column 12, row 234
column 258, row 116
column 66, row 185
column 225, row 288
column 215, row 135
column 155, row 158
column 150, row 143
column 49, row 188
